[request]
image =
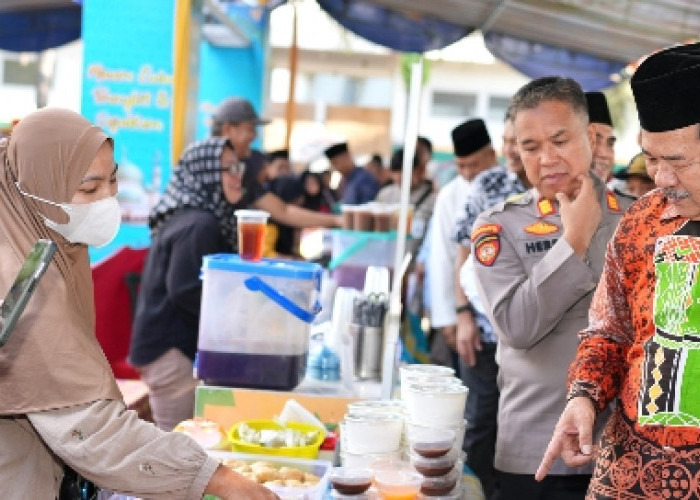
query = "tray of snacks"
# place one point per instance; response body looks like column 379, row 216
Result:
column 290, row 478
column 267, row 437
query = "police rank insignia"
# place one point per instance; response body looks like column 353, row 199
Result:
column 613, row 203
column 487, row 243
column 541, row 228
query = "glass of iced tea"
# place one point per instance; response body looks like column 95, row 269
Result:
column 251, row 233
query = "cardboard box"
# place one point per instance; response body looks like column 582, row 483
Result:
column 227, row 406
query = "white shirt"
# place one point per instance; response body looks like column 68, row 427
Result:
column 443, row 252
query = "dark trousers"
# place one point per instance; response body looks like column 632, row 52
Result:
column 524, row 487
column 481, row 412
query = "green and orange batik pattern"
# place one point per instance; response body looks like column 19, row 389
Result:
column 670, row 393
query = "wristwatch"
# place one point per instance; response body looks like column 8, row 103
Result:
column 466, row 307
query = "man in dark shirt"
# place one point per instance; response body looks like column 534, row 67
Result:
column 359, row 185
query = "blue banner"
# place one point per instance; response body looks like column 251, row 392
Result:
column 127, row 90
column 227, row 72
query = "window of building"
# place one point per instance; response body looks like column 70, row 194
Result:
column 453, row 104
column 20, row 73
column 498, row 106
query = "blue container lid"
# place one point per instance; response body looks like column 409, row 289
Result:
column 267, row 267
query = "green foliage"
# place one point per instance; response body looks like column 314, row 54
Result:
column 406, row 61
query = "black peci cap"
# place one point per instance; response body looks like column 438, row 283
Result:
column 598, row 111
column 469, row 137
column 666, row 88
column 336, row 149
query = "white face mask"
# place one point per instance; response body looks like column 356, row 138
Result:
column 95, row 224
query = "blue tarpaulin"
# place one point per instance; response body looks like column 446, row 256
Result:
column 411, row 33
column 391, row 28
column 536, row 60
column 34, row 30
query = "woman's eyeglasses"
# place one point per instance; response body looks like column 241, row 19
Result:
column 235, row 168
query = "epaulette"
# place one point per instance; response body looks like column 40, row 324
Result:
column 513, row 198
column 518, row 199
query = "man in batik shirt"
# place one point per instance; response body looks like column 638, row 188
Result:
column 642, row 346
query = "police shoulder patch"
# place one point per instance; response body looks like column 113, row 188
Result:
column 486, row 240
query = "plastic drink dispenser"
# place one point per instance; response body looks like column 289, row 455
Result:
column 254, row 321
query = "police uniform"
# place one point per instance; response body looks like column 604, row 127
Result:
column 536, row 292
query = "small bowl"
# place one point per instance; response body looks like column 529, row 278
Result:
column 430, row 442
column 433, row 467
column 399, row 483
column 350, row 481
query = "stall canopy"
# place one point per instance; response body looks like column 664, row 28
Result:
column 36, row 25
column 588, row 40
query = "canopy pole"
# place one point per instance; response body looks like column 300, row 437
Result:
column 391, row 336
column 293, row 61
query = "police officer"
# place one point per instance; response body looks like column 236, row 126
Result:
column 538, row 258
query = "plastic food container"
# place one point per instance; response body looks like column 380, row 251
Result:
column 397, row 484
column 441, row 485
column 368, row 460
column 458, row 429
column 430, row 442
column 362, row 248
column 308, row 451
column 455, row 494
column 423, row 372
column 434, row 467
column 377, row 407
column 372, row 433
column 436, row 404
column 320, row 468
column 255, row 320
column 350, row 481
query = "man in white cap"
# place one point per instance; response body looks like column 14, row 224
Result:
column 642, row 345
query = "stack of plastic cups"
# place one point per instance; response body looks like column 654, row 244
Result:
column 434, row 400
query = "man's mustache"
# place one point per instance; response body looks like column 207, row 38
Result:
column 674, row 194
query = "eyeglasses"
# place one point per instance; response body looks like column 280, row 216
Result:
column 235, row 168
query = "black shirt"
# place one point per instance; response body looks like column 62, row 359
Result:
column 167, row 311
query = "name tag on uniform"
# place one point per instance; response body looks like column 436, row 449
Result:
column 539, row 246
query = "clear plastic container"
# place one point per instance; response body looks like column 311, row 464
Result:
column 366, row 460
column 435, row 467
column 435, row 404
column 350, row 481
column 441, row 485
column 255, row 320
column 456, row 494
column 319, row 468
column 372, row 433
column 397, row 484
column 430, row 442
column 423, row 372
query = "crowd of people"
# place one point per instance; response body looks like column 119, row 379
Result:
column 564, row 293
